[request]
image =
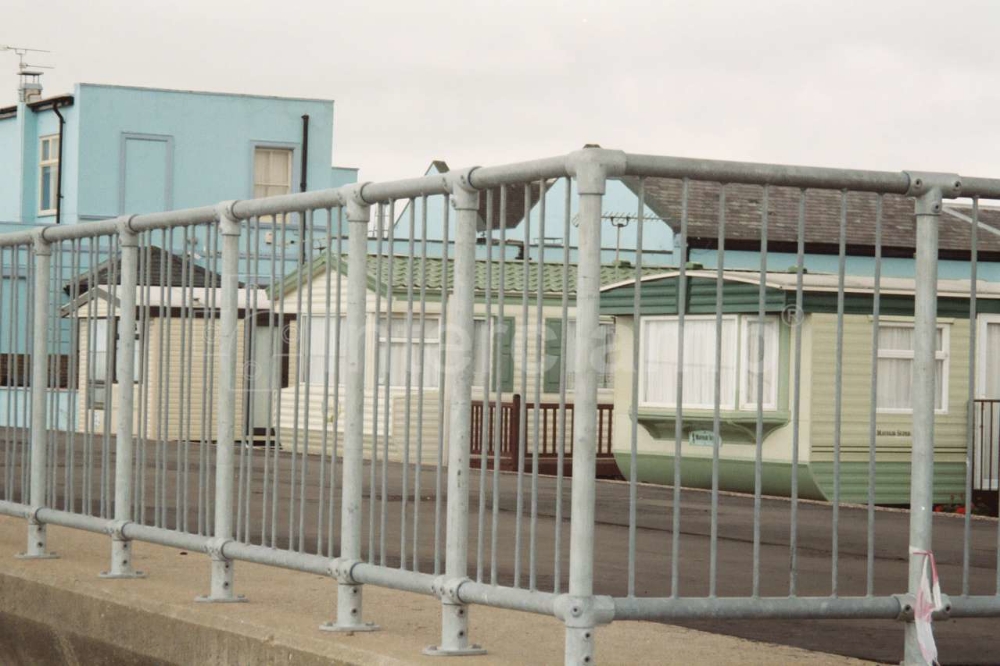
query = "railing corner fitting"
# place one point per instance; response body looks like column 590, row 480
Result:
column 584, row 611
column 464, row 195
column 592, row 166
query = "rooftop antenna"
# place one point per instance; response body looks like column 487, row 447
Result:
column 30, row 84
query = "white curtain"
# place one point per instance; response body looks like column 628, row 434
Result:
column 318, row 359
column 392, row 352
column 991, row 365
column 660, row 351
column 752, row 366
column 894, row 388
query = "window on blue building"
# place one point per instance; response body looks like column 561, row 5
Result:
column 272, row 172
column 48, row 174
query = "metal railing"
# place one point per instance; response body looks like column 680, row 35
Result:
column 312, row 408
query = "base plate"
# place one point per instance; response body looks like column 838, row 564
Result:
column 238, row 599
column 471, row 651
column 348, row 628
column 113, row 576
column 46, row 556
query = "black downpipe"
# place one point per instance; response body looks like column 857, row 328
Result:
column 59, row 170
column 304, row 183
column 305, row 153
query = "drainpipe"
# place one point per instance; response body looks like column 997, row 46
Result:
column 305, row 153
column 22, row 139
column 304, row 183
column 59, row 170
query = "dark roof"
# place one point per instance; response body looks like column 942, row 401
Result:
column 822, row 224
column 165, row 269
column 515, row 202
column 40, row 105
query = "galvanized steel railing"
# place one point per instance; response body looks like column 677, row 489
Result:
column 273, row 507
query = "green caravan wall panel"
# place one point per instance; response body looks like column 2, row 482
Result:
column 897, row 306
column 734, row 475
column 893, row 431
column 660, row 297
column 892, row 482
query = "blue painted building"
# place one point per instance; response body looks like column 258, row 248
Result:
column 108, row 150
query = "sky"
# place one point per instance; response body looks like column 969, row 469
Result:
column 879, row 84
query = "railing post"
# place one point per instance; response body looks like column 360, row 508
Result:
column 580, row 610
column 514, row 433
column 454, row 613
column 929, row 190
column 121, row 560
column 222, row 568
column 349, row 597
column 39, row 389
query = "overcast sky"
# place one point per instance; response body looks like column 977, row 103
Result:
column 878, row 83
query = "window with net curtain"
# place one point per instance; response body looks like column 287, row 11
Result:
column 272, row 171
column 393, row 343
column 323, row 354
column 990, row 373
column 739, row 372
column 894, row 387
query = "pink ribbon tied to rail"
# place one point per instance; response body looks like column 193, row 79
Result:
column 928, row 600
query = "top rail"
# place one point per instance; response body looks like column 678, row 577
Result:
column 754, row 173
column 615, row 163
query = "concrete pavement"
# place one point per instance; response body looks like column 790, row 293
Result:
column 60, row 612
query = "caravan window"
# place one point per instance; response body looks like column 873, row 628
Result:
column 557, row 334
column 499, row 355
column 894, row 387
column 392, row 349
column 323, row 351
column 738, row 372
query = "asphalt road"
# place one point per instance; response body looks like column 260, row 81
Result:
column 960, row 641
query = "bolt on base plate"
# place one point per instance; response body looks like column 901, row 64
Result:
column 348, row 628
column 205, row 599
column 437, row 651
column 112, row 576
column 43, row 556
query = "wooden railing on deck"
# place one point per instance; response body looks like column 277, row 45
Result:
column 548, row 440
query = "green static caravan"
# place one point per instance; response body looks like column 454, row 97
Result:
column 816, row 322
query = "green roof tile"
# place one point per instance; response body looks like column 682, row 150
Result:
column 402, row 267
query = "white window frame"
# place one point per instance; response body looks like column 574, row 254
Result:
column 742, row 364
column 943, row 354
column 729, row 402
column 385, row 337
column 53, row 164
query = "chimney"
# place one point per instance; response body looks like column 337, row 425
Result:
column 30, row 85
